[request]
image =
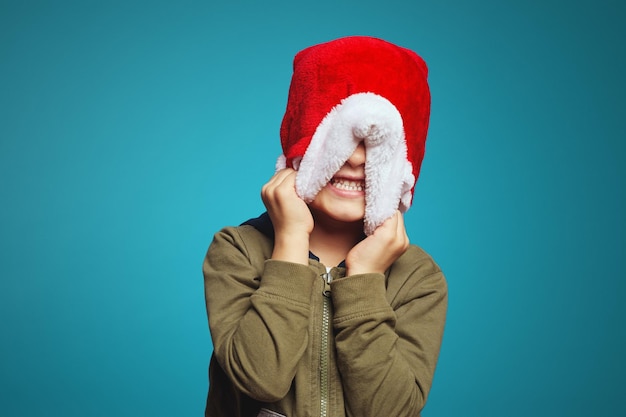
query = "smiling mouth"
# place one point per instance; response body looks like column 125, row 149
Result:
column 348, row 185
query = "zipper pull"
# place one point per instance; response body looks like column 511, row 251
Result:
column 327, row 280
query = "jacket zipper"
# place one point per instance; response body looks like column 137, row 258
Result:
column 324, row 380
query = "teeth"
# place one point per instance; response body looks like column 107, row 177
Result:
column 348, row 185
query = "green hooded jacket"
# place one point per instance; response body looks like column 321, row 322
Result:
column 297, row 341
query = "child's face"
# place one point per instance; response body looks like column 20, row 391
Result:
column 343, row 198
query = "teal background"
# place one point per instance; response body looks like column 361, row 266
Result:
column 131, row 131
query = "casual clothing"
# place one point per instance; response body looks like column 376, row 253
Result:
column 291, row 339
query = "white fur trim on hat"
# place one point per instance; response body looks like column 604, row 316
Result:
column 374, row 120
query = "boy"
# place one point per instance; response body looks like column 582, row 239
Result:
column 320, row 306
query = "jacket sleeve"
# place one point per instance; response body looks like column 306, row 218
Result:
column 387, row 350
column 258, row 316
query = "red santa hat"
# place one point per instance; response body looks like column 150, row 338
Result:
column 351, row 90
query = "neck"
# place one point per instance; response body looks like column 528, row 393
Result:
column 331, row 240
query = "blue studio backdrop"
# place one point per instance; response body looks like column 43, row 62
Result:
column 131, row 131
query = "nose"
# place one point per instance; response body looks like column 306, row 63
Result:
column 358, row 156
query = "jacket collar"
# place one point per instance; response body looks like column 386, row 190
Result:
column 263, row 224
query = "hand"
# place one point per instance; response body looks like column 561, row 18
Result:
column 378, row 251
column 291, row 217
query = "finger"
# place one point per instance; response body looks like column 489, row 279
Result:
column 393, row 231
column 285, row 181
column 285, row 185
column 281, row 192
column 275, row 181
column 389, row 226
column 288, row 179
column 400, row 221
column 283, row 173
column 401, row 229
column 279, row 177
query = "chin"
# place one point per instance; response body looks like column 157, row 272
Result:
column 345, row 213
column 339, row 208
column 345, row 217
